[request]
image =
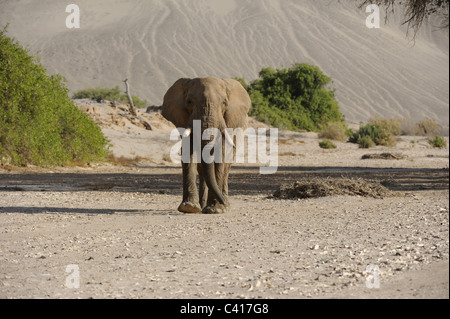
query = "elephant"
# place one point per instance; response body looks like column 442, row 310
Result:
column 219, row 104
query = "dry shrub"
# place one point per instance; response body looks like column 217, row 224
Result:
column 336, row 131
column 125, row 161
column 321, row 187
column 392, row 126
column 426, row 127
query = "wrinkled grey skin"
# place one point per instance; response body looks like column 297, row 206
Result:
column 218, row 103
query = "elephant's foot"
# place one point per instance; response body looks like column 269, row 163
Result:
column 215, row 209
column 189, row 208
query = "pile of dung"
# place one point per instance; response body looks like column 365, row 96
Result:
column 321, row 187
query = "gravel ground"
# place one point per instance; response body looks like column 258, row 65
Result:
column 133, row 244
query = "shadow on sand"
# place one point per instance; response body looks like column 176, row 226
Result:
column 243, row 180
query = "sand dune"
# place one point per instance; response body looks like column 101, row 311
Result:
column 154, row 42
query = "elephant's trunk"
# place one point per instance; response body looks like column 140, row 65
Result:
column 209, row 169
column 209, row 175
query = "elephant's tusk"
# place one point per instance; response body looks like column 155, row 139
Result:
column 187, row 132
column 229, row 139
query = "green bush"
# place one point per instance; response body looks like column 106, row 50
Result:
column 438, row 141
column 365, row 142
column 371, row 135
column 327, row 144
column 39, row 124
column 113, row 94
column 296, row 98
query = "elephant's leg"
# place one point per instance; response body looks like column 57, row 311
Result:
column 226, row 173
column 213, row 205
column 203, row 189
column 190, row 202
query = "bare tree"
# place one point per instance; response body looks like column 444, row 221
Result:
column 416, row 11
column 133, row 112
column 130, row 99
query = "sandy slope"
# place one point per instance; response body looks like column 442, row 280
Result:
column 155, row 42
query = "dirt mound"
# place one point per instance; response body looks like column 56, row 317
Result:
column 386, row 156
column 108, row 115
column 321, row 187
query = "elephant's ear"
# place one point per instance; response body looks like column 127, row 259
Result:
column 173, row 108
column 239, row 104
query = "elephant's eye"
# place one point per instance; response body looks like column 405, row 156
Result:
column 189, row 104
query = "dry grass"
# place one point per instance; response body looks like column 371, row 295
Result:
column 401, row 126
column 426, row 127
column 392, row 126
column 289, row 141
column 334, row 131
column 125, row 161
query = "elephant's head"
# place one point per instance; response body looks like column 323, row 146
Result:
column 217, row 103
